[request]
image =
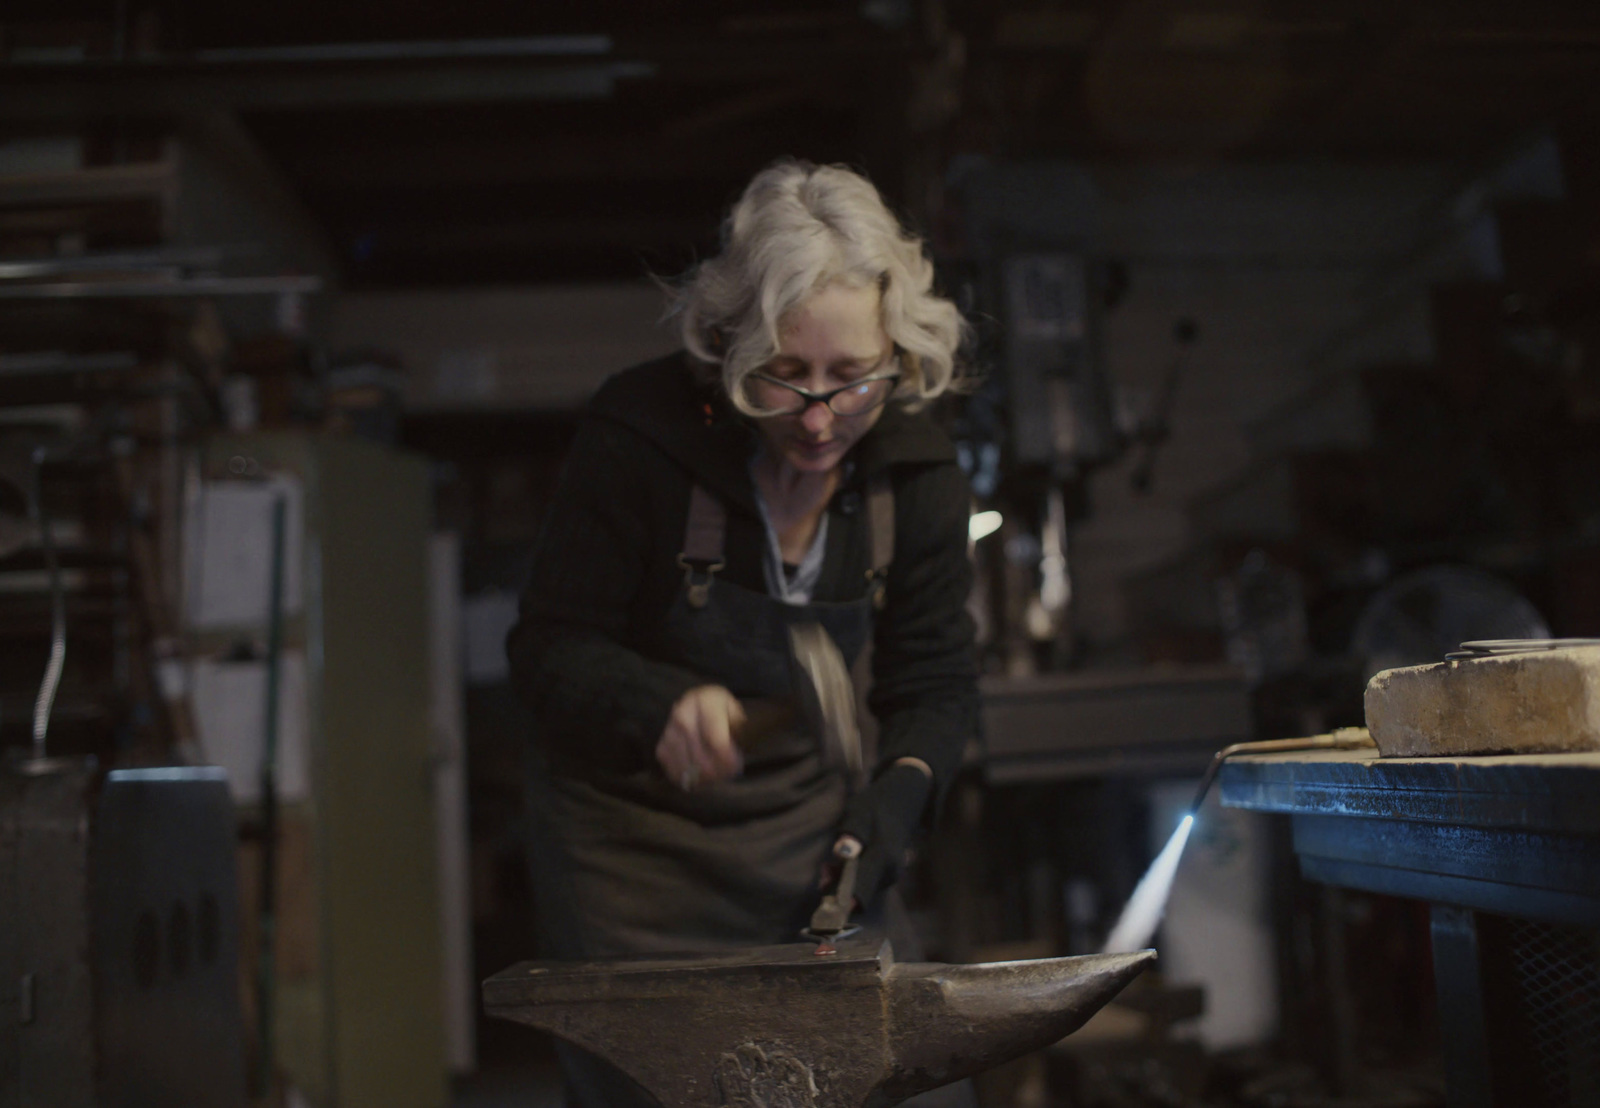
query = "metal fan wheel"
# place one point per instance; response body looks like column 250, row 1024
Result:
column 1423, row 615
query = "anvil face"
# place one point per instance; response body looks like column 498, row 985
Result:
column 783, row 1025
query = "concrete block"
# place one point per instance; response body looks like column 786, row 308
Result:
column 1539, row 702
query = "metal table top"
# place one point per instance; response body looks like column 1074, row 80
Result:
column 1513, row 834
column 1551, row 792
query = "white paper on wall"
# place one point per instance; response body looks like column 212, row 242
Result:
column 228, row 549
column 230, row 701
column 1218, row 929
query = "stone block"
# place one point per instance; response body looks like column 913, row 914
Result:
column 1538, row 702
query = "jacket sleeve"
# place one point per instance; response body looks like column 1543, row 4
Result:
column 925, row 674
column 594, row 698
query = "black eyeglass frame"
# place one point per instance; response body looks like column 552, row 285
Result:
column 826, row 398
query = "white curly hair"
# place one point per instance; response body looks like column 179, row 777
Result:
column 797, row 228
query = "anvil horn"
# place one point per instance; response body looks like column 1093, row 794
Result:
column 948, row 1022
column 783, row 1025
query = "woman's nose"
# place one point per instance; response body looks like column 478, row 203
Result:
column 817, row 417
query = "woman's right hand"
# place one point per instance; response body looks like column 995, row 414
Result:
column 697, row 744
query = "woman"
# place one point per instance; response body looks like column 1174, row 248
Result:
column 778, row 471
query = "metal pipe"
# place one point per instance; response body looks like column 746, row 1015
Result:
column 182, row 286
column 1349, row 738
column 266, row 978
column 536, row 46
column 55, row 361
column 1489, row 648
column 142, row 261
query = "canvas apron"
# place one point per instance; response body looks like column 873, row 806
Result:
column 633, row 864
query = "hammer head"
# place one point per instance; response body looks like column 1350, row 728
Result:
column 826, row 695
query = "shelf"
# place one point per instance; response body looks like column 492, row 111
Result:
column 137, row 181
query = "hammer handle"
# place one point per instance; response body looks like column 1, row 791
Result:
column 762, row 720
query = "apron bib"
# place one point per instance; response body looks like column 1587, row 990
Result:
column 632, row 864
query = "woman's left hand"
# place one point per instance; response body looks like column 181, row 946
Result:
column 884, row 818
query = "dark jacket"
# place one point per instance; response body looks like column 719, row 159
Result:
column 605, row 573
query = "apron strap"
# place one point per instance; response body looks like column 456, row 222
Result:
column 703, row 542
column 880, row 518
column 705, row 534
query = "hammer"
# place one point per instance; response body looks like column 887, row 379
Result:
column 828, row 700
column 777, row 1025
column 823, row 698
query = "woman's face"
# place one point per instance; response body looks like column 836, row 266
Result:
column 831, row 339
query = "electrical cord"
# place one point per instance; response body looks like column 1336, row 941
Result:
column 46, row 700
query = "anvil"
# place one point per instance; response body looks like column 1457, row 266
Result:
column 782, row 1025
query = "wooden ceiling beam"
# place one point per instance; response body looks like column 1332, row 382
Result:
column 271, row 82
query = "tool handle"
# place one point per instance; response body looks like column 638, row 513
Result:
column 762, row 720
column 833, row 914
column 845, row 894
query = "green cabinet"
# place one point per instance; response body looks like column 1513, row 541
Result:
column 359, row 1012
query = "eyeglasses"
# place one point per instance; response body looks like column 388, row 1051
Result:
column 770, row 396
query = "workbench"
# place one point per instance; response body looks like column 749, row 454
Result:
column 1506, row 850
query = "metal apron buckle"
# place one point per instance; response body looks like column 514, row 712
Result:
column 876, row 583
column 698, row 591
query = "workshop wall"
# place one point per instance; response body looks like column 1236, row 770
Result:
column 1297, row 275
column 1273, row 262
column 545, row 347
